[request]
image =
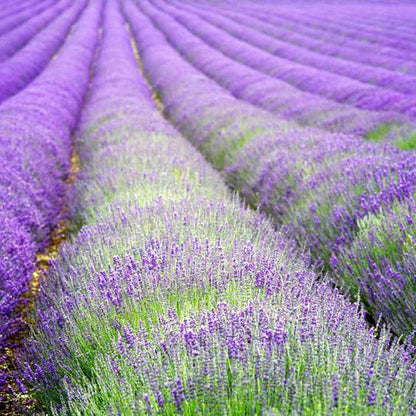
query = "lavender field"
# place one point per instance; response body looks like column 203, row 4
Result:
column 207, row 207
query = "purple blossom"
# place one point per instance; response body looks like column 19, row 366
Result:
column 36, row 127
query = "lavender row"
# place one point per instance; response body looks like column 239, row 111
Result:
column 378, row 76
column 388, row 20
column 18, row 16
column 18, row 71
column 319, row 185
column 329, row 44
column 336, row 35
column 397, row 19
column 173, row 299
column 315, row 81
column 14, row 20
column 262, row 90
column 10, row 8
column 17, row 39
column 370, row 32
column 36, row 148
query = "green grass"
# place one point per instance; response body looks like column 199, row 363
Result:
column 400, row 140
column 408, row 142
column 380, row 132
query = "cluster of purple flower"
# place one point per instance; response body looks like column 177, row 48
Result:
column 306, row 78
column 16, row 39
column 401, row 43
column 16, row 16
column 35, row 152
column 170, row 296
column 319, row 185
column 20, row 69
column 378, row 17
column 330, row 44
column 238, row 24
column 174, row 299
column 251, row 76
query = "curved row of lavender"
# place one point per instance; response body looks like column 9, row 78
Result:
column 12, row 8
column 173, row 299
column 329, row 190
column 11, row 42
column 18, row 71
column 320, row 30
column 326, row 43
column 20, row 16
column 305, row 78
column 35, row 152
column 239, row 24
column 370, row 33
column 389, row 18
column 263, row 90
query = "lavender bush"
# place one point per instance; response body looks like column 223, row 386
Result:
column 339, row 32
column 15, row 17
column 396, row 39
column 350, row 48
column 260, row 89
column 239, row 26
column 11, row 8
column 318, row 185
column 305, row 78
column 28, row 62
column 173, row 299
column 16, row 39
column 35, row 139
column 323, row 31
column 384, row 249
column 346, row 48
column 379, row 18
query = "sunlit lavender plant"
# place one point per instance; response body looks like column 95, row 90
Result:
column 174, row 299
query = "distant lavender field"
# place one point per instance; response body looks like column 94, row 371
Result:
column 235, row 184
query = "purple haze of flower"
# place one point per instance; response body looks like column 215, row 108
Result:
column 21, row 15
column 389, row 20
column 11, row 9
column 396, row 39
column 27, row 63
column 261, row 89
column 319, row 185
column 35, row 152
column 181, row 299
column 327, row 43
column 334, row 32
column 16, row 39
column 309, row 79
column 239, row 26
